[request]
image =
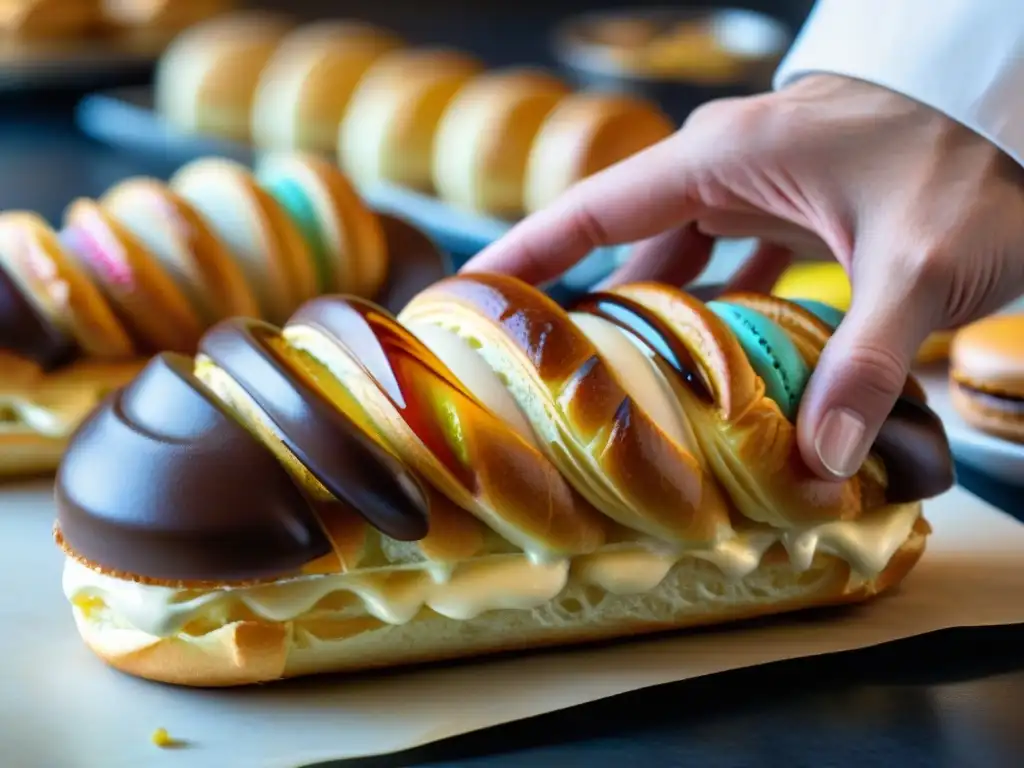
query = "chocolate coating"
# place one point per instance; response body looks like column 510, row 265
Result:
column 162, row 481
column 414, row 263
column 913, row 445
column 336, row 451
column 26, row 333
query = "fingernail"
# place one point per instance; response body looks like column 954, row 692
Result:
column 840, row 442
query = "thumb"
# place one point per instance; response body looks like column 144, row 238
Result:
column 860, row 374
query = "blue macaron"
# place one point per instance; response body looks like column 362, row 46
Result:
column 772, row 354
column 828, row 314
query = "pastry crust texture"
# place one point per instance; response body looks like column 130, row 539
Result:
column 580, row 486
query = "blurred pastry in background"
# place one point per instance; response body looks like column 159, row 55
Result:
column 162, row 15
column 987, row 375
column 484, row 139
column 828, row 283
column 387, row 134
column 47, row 19
column 207, row 77
column 305, row 88
column 584, row 134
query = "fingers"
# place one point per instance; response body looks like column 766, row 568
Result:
column 860, row 374
column 675, row 257
column 762, row 270
column 637, row 198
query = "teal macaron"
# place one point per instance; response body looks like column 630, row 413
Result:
column 828, row 314
column 771, row 353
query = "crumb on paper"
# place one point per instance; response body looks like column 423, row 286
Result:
column 162, row 738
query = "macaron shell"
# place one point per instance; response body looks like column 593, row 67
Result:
column 989, row 355
column 771, row 352
column 296, row 256
column 177, row 235
column 825, row 282
column 484, row 139
column 64, row 293
column 152, row 307
column 227, row 198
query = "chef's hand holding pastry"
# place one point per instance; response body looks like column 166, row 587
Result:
column 920, row 199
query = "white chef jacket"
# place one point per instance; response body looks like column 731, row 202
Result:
column 964, row 58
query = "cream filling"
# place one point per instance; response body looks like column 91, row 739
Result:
column 396, row 594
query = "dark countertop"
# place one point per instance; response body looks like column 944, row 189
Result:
column 955, row 698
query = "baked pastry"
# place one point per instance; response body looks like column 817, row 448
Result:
column 387, row 133
column 484, row 139
column 485, row 472
column 587, row 133
column 305, row 88
column 150, row 266
column 162, row 15
column 49, row 19
column 828, row 283
column 206, row 79
column 986, row 375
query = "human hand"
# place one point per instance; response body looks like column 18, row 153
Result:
column 926, row 217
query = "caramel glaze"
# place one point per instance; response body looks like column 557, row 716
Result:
column 26, row 333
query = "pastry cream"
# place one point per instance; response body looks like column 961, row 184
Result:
column 396, row 594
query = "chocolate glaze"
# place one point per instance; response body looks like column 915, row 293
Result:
column 26, row 333
column 913, row 445
column 414, row 262
column 650, row 329
column 162, row 481
column 336, row 451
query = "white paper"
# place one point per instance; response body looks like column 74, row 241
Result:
column 60, row 706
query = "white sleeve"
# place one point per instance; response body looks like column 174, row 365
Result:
column 964, row 58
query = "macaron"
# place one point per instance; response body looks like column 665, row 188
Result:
column 154, row 310
column 271, row 251
column 987, row 375
column 58, row 288
column 586, row 133
column 387, row 134
column 306, row 86
column 484, row 139
column 206, row 78
column 771, row 352
column 827, row 284
column 343, row 235
column 176, row 235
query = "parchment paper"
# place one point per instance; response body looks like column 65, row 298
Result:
column 59, row 706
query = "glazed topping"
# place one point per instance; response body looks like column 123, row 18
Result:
column 26, row 333
column 162, row 481
column 336, row 451
column 646, row 326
